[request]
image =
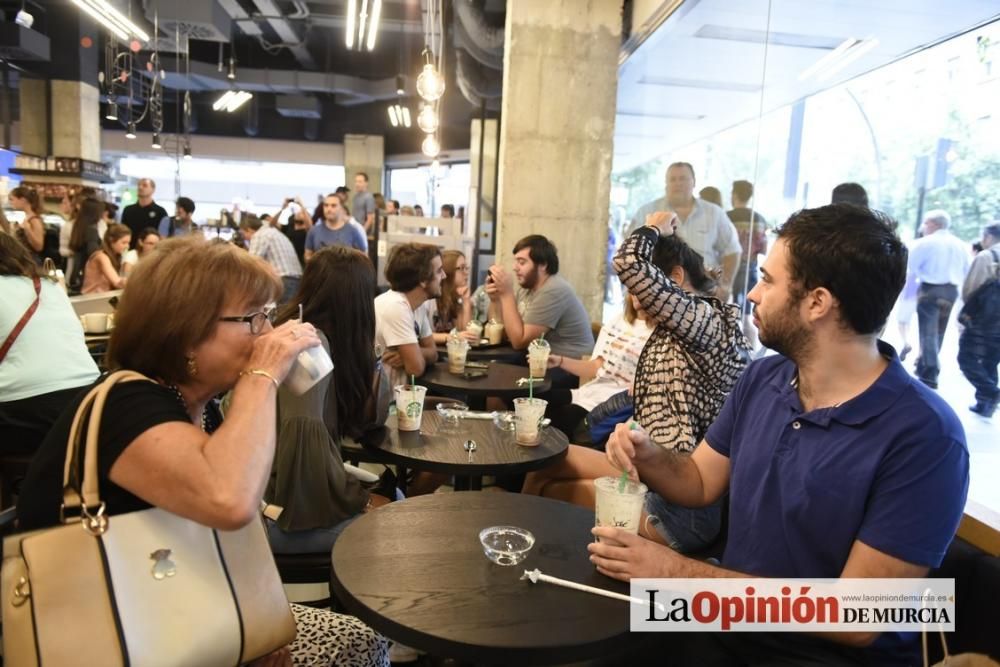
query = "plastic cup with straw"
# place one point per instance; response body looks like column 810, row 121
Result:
column 528, row 413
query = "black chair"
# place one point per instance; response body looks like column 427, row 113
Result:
column 306, row 569
column 977, row 589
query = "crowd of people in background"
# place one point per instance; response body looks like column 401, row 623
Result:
column 668, row 392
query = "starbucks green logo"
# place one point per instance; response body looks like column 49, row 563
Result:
column 413, row 410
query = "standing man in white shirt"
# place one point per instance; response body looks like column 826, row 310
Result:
column 277, row 250
column 701, row 224
column 939, row 262
column 402, row 328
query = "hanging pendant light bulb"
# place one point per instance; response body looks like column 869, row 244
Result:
column 112, row 112
column 430, row 146
column 430, row 84
column 427, row 119
column 187, row 150
column 130, row 133
column 156, row 140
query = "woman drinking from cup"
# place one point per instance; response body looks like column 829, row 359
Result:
column 193, row 321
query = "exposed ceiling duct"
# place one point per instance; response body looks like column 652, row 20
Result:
column 474, row 34
column 347, row 90
column 478, row 83
column 196, row 19
column 479, row 54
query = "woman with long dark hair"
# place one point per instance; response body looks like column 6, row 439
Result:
column 453, row 309
column 85, row 239
column 30, row 232
column 104, row 269
column 308, row 480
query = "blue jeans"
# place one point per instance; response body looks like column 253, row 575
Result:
column 978, row 357
column 934, row 304
column 315, row 541
column 685, row 530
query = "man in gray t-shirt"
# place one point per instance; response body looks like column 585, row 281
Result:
column 363, row 205
column 544, row 303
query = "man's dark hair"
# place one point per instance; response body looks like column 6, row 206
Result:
column 362, row 175
column 447, row 207
column 686, row 165
column 409, row 265
column 671, row 251
column 854, row 253
column 111, row 209
column 743, row 190
column 849, row 193
column 186, row 204
column 543, row 251
column 993, row 230
column 342, row 188
column 395, row 202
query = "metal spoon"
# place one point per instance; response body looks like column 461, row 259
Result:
column 469, row 446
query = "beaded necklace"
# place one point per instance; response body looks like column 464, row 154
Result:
column 208, row 422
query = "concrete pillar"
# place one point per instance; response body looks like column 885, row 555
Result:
column 75, row 125
column 364, row 152
column 33, row 96
column 556, row 133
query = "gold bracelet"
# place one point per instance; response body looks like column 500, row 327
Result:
column 261, row 372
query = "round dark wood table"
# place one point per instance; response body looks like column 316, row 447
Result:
column 502, row 352
column 500, row 381
column 415, row 571
column 438, row 448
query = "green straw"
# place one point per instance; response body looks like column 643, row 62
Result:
column 531, row 386
column 623, row 479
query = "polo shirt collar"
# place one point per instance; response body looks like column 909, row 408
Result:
column 875, row 400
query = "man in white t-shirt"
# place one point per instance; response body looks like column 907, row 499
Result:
column 402, row 328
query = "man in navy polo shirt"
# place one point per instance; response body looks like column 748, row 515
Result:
column 838, row 463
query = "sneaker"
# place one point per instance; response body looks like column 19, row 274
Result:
column 905, row 351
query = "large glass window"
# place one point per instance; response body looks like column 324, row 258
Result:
column 902, row 98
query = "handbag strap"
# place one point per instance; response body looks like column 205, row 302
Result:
column 23, row 321
column 87, row 495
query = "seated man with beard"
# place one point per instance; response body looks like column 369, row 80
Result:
column 838, row 463
column 544, row 304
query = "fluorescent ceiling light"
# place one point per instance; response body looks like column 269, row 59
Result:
column 853, row 54
column 362, row 17
column 104, row 13
column 393, row 118
column 406, row 116
column 352, row 11
column 373, row 25
column 361, row 23
column 828, row 59
column 231, row 100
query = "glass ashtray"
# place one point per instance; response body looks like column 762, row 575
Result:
column 452, row 412
column 504, row 420
column 506, row 545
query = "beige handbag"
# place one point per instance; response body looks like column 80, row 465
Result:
column 147, row 588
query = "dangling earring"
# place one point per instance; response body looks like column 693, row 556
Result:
column 192, row 367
